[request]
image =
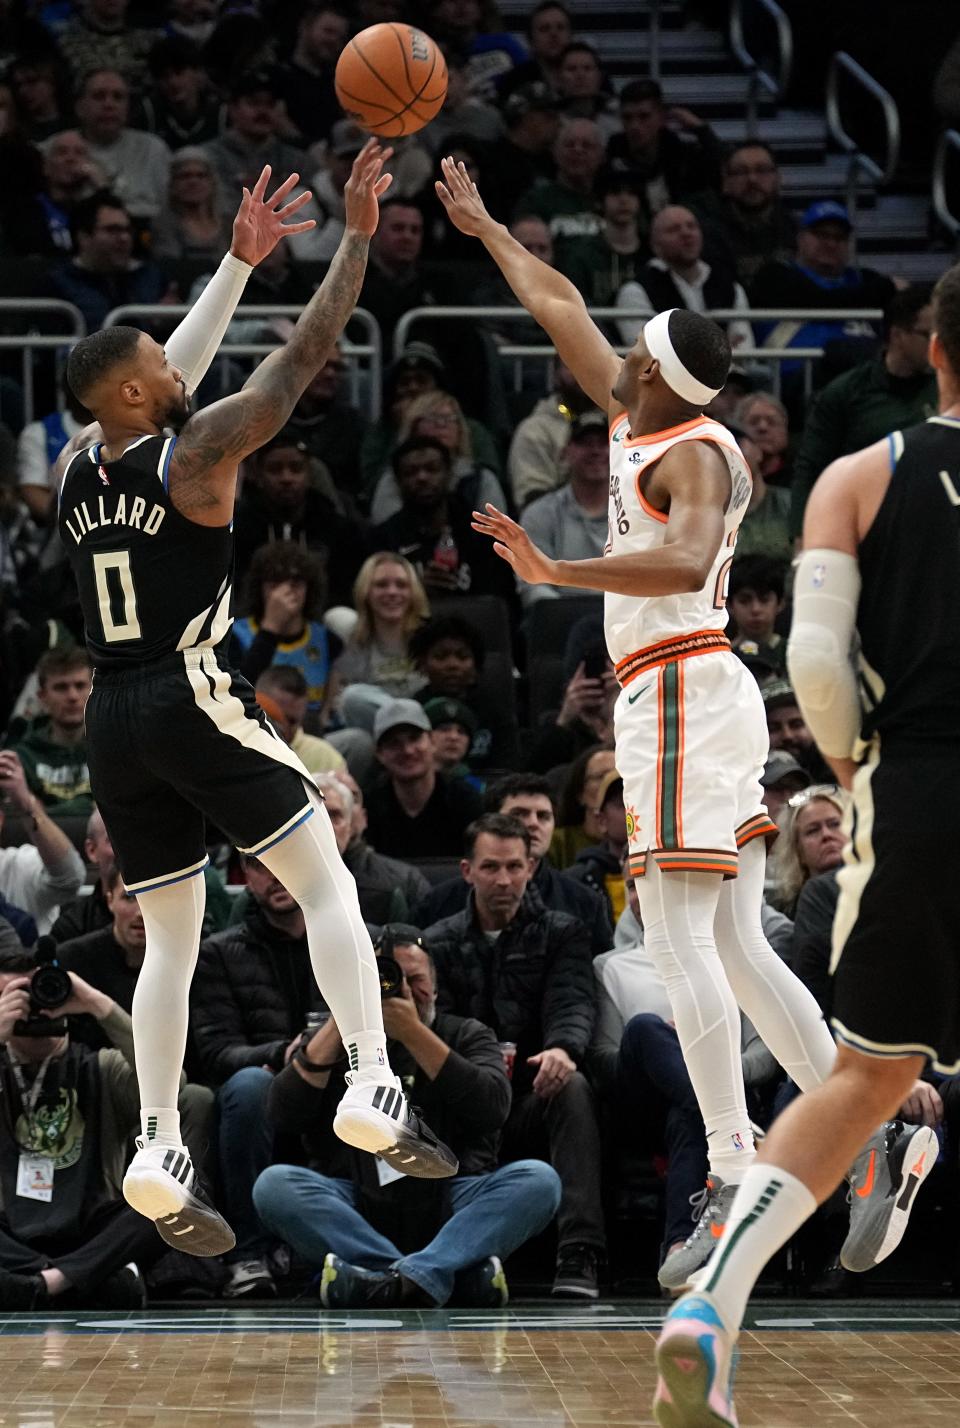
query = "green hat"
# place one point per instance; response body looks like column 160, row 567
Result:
column 450, row 711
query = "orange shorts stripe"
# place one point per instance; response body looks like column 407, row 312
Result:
column 760, row 826
column 670, row 652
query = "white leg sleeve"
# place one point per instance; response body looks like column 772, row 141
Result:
column 172, row 917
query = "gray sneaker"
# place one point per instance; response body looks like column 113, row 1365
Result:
column 884, row 1181
column 711, row 1206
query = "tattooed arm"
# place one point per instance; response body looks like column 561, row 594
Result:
column 203, row 469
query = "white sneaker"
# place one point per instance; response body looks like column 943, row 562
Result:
column 250, row 1279
column 375, row 1116
column 162, row 1184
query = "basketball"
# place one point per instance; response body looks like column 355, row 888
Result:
column 391, row 80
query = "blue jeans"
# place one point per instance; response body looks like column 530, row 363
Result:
column 245, row 1148
column 489, row 1214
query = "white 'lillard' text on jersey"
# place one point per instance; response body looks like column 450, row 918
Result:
column 151, row 581
column 632, row 622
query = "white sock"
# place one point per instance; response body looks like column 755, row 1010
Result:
column 160, row 1126
column 309, row 865
column 678, row 911
column 172, row 917
column 782, row 1009
column 769, row 1208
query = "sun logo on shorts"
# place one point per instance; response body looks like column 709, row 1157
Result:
column 633, row 823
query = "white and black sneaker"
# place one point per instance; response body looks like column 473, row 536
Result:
column 375, row 1116
column 162, row 1184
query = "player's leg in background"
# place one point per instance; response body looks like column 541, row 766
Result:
column 678, row 912
column 309, row 865
column 782, row 1009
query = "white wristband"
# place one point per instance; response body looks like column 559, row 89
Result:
column 193, row 345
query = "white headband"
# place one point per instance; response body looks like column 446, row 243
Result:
column 656, row 334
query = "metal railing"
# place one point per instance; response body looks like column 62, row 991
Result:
column 546, row 353
column 364, row 384
column 30, row 342
column 879, row 173
column 773, row 86
column 949, row 141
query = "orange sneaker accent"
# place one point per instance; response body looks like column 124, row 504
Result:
column 917, row 1169
column 864, row 1190
column 718, row 1231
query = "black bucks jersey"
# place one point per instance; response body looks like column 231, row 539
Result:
column 151, row 582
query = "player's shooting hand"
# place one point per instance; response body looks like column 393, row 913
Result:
column 365, row 187
column 513, row 545
column 461, row 198
column 261, row 222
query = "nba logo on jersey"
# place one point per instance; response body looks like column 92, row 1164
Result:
column 103, row 476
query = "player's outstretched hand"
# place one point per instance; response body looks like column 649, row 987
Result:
column 513, row 545
column 461, row 198
column 261, row 222
column 365, row 187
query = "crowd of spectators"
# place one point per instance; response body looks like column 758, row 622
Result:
column 460, row 729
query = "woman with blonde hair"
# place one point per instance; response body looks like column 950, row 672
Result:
column 440, row 415
column 192, row 224
column 811, row 842
column 375, row 666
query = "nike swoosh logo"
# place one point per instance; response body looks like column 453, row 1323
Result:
column 632, row 698
column 864, row 1190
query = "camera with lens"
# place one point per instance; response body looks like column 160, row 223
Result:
column 388, row 969
column 49, row 988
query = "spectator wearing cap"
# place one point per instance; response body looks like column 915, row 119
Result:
column 416, row 371
column 600, row 265
column 182, row 110
column 395, row 281
column 98, row 33
column 765, row 529
column 599, row 867
column 413, row 812
column 884, row 394
column 749, row 225
column 788, row 729
column 389, row 889
column 449, row 654
column 821, row 276
column 346, row 141
column 522, row 157
column 673, row 152
column 549, row 32
column 529, row 798
column 433, row 527
column 282, row 502
column 535, row 462
column 677, row 276
column 135, row 165
column 571, row 522
column 584, row 89
column 782, row 777
column 755, row 601
column 307, row 81
column 527, row 973
column 252, row 137
column 453, row 726
column 193, row 224
column 568, row 203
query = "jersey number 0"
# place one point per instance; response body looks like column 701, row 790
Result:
column 104, row 565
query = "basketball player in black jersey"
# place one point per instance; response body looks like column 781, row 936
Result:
column 880, row 575
column 174, row 735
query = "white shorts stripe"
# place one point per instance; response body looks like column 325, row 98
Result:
column 149, row 884
column 883, row 1051
column 858, row 856
column 280, row 833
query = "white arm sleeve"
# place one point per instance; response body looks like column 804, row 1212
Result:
column 820, row 650
column 193, row 345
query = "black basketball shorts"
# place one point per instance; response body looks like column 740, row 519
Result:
column 180, row 741
column 896, row 935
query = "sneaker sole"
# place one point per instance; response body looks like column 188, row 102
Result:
column 682, row 1399
column 923, row 1143
column 368, row 1129
column 574, row 1291
column 183, row 1222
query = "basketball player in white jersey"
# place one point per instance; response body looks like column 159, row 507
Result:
column 690, row 729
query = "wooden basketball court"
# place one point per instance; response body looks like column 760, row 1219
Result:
column 537, row 1364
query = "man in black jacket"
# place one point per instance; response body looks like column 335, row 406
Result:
column 528, row 973
column 529, row 798
column 359, row 1218
column 249, row 1001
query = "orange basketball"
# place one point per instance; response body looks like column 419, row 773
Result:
column 391, row 80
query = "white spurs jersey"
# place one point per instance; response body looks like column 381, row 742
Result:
column 633, row 623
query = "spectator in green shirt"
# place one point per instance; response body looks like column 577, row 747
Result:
column 599, row 266
column 895, row 390
column 568, row 203
column 53, row 750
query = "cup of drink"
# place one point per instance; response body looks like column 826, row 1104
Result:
column 508, row 1050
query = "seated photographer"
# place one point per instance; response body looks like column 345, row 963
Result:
column 251, row 994
column 384, row 1239
column 37, row 875
column 66, row 1114
column 109, row 959
column 528, row 974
